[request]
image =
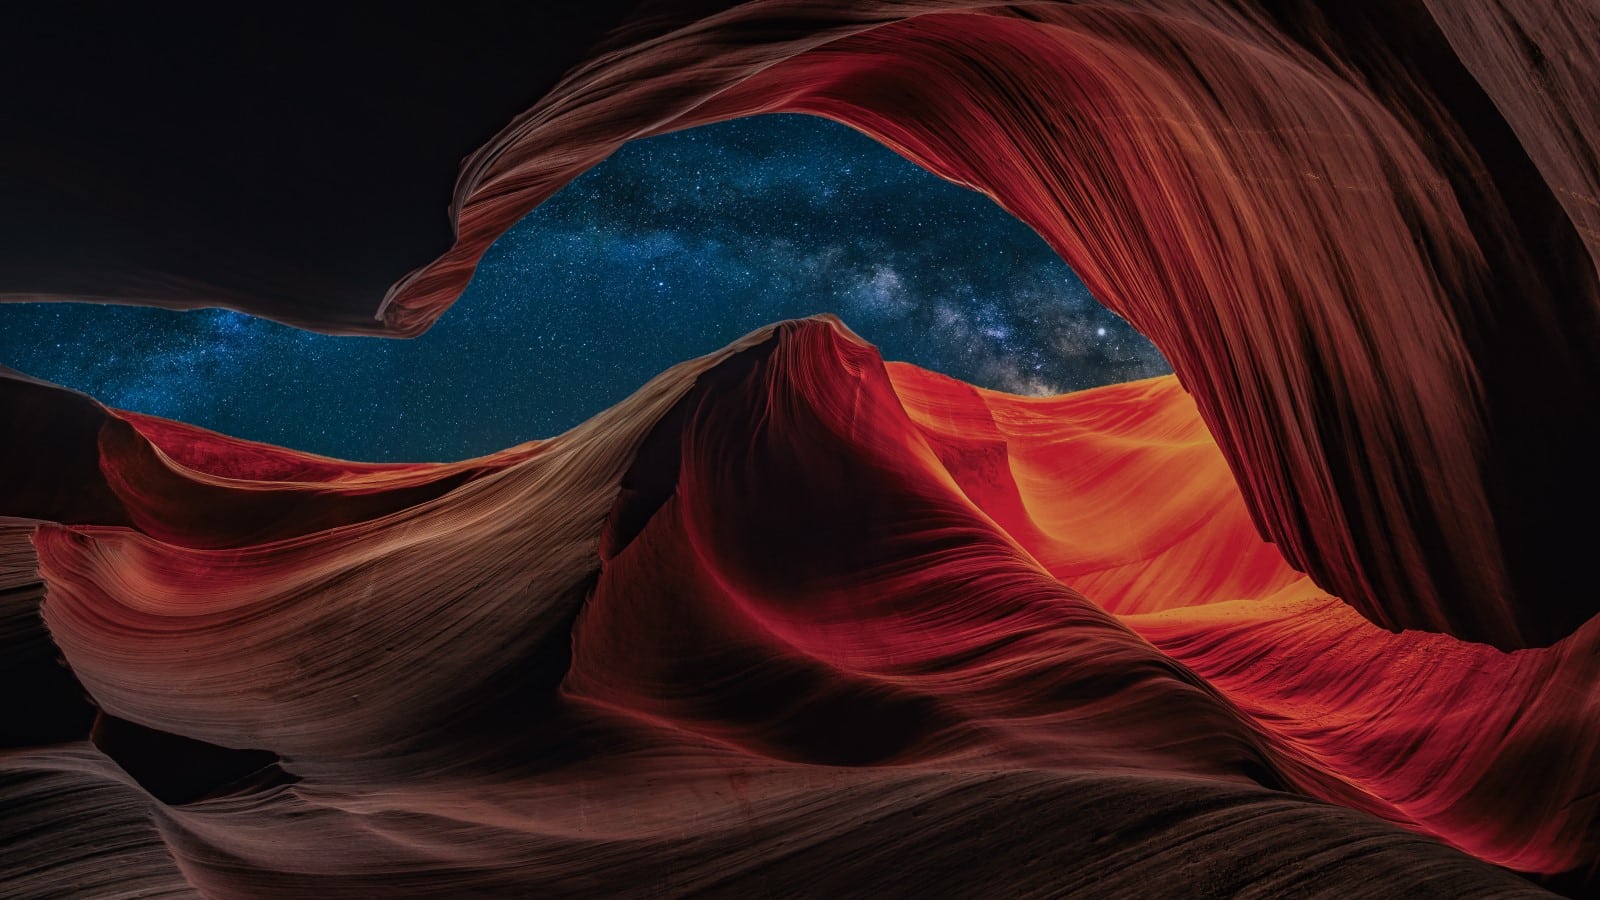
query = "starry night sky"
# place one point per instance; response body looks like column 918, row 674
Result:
column 668, row 250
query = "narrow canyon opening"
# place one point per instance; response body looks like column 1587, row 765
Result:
column 671, row 248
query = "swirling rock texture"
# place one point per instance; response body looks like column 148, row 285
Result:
column 1314, row 616
column 787, row 620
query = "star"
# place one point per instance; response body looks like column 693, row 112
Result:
column 671, row 248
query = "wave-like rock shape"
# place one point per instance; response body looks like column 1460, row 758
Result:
column 1365, row 233
column 788, row 616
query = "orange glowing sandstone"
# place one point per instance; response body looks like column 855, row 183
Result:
column 794, row 566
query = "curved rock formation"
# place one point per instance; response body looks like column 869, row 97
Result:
column 788, row 616
column 1333, row 233
column 1363, row 233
